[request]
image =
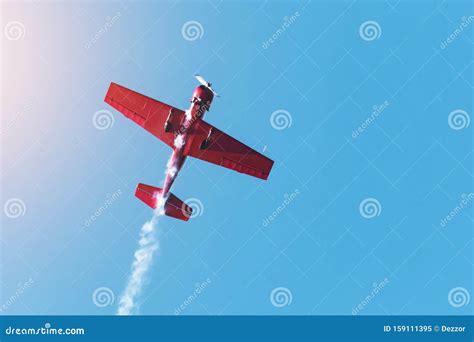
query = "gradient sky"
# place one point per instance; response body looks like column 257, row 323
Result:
column 57, row 62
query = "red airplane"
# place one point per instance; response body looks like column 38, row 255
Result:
column 188, row 135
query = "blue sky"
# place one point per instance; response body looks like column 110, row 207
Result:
column 322, row 253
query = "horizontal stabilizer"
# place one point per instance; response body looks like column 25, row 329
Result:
column 173, row 206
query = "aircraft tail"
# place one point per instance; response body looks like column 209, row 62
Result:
column 173, row 207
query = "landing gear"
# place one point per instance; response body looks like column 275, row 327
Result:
column 167, row 122
column 206, row 142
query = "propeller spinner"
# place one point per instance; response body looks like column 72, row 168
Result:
column 205, row 83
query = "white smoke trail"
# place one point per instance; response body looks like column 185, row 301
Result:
column 143, row 257
column 148, row 244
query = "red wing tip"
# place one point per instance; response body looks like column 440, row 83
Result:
column 111, row 86
column 267, row 174
column 107, row 98
column 187, row 211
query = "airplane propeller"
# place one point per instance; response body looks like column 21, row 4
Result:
column 206, row 84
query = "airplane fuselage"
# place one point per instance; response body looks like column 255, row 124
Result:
column 200, row 103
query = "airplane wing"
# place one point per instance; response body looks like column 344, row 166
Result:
column 145, row 111
column 226, row 151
